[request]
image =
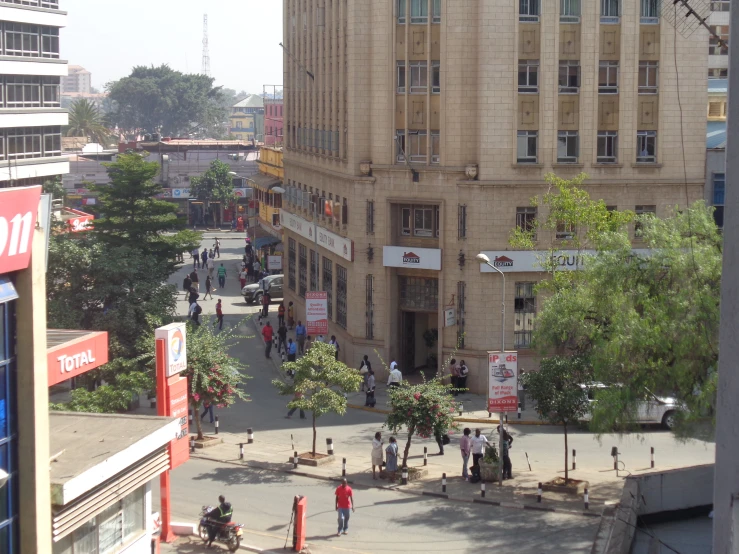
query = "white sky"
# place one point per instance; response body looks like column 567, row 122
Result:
column 109, row 37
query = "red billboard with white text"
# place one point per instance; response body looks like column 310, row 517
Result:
column 18, row 213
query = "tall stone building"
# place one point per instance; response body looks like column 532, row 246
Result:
column 417, row 132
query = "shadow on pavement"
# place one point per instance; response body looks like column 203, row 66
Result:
column 237, row 476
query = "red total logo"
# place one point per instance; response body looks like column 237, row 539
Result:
column 18, row 211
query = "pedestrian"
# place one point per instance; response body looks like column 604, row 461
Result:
column 521, row 391
column 320, row 338
column 242, row 278
column 207, row 409
column 393, row 364
column 344, row 503
column 249, row 272
column 370, row 396
column 333, row 342
column 505, row 453
column 210, row 254
column 462, row 379
column 454, row 373
column 195, row 258
column 292, row 350
column 204, row 257
column 266, row 300
column 257, row 268
column 217, row 247
column 195, row 311
column 290, row 315
column 219, row 314
column 465, row 448
column 267, row 335
column 211, row 267
column 193, row 296
column 364, row 368
column 440, row 440
column 208, row 284
column 479, row 441
column 391, row 458
column 376, row 454
column 195, row 279
column 281, row 338
column 395, row 377
column 221, row 276
column 186, row 284
column 300, row 332
column 281, row 314
column 307, row 345
column 297, row 396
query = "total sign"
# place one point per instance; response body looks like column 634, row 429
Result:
column 18, row 214
column 502, row 382
column 77, row 356
column 175, row 354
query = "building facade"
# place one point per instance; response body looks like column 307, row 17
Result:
column 78, row 80
column 718, row 54
column 418, row 131
column 273, row 122
column 247, row 119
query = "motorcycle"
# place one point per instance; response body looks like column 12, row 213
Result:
column 227, row 533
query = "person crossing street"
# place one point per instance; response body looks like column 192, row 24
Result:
column 221, row 276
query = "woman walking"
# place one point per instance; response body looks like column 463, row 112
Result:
column 391, row 465
column 376, row 453
column 208, row 285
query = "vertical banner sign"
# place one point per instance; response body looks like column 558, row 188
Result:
column 316, row 312
column 503, row 382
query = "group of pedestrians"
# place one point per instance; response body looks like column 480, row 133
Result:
column 191, row 282
column 458, row 372
column 476, row 445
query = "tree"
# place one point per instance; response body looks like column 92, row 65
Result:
column 85, row 121
column 425, row 409
column 556, row 389
column 215, row 185
column 214, row 376
column 319, row 383
column 55, row 188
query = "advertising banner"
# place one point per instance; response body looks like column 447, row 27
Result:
column 330, row 241
column 316, row 312
column 175, row 357
column 18, row 212
column 502, row 381
column 78, row 356
column 415, row 258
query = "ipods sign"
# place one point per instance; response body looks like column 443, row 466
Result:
column 18, row 211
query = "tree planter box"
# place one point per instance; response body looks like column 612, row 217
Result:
column 414, row 473
column 489, row 472
column 574, row 487
column 208, row 441
column 307, row 459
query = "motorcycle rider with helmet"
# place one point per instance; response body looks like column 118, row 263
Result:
column 219, row 516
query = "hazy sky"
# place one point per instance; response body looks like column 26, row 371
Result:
column 109, row 37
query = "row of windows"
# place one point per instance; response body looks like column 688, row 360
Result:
column 8, row 430
column 317, row 202
column 568, row 147
column 569, row 77
column 529, row 11
column 34, row 41
column 419, row 11
column 414, row 146
column 29, row 92
column 318, row 138
column 418, row 73
column 51, row 4
column 30, row 142
column 714, row 48
column 526, row 218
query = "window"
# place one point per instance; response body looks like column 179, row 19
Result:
column 291, row 263
column 437, row 11
column 718, row 181
column 461, row 289
column 649, row 12
column 345, row 212
column 22, row 40
column 401, row 11
column 369, row 307
column 24, row 142
column 610, row 10
column 423, row 225
column 9, row 507
column 370, row 217
column 646, row 146
column 648, row 77
column 52, row 141
column 525, row 313
column 643, row 211
column 49, row 42
column 435, row 147
column 419, row 293
column 565, row 231
column 239, row 124
column 23, row 92
column 719, row 46
column 528, row 11
column 328, row 285
column 526, row 219
column 569, row 77
column 607, row 147
column 417, row 146
column 313, row 270
column 436, row 77
column 437, row 220
column 400, row 145
column 716, row 109
column 462, row 221
column 419, row 77
column 419, row 11
column 400, row 88
column 528, row 76
column 302, row 269
column 569, row 11
column 720, row 5
column 341, row 303
column 608, row 78
column 526, row 147
column 567, row 147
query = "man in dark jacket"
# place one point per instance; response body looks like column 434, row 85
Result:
column 186, row 284
column 220, row 516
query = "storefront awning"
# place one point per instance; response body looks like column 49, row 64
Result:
column 263, row 242
column 70, row 353
column 264, row 182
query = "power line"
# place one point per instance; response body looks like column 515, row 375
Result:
column 205, row 70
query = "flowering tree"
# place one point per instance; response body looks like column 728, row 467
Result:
column 424, row 409
column 213, row 376
column 319, row 383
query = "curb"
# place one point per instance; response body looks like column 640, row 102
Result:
column 479, row 420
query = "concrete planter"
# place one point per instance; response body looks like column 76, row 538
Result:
column 307, row 459
column 207, row 442
column 488, row 472
column 414, row 473
column 574, row 487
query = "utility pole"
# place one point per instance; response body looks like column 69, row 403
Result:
column 205, row 70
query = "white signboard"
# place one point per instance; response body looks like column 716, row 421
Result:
column 502, row 381
column 180, row 193
column 274, row 263
column 415, row 258
column 175, row 351
column 332, row 242
column 450, row 317
column 316, row 312
column 529, row 261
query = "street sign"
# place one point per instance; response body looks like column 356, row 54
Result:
column 503, row 379
column 316, row 312
column 450, row 317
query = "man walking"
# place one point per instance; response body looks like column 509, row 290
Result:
column 479, row 442
column 217, row 246
column 297, row 396
column 395, row 377
column 292, row 350
column 505, row 452
column 257, row 269
column 521, row 391
column 211, row 267
column 204, row 257
column 465, row 447
column 221, row 276
column 219, row 314
column 344, row 503
column 300, row 333
column 364, row 368
column 195, row 258
column 195, row 311
column 266, row 299
column 281, row 338
column 195, row 279
column 267, row 335
column 186, row 284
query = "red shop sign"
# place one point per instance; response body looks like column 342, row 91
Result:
column 18, row 212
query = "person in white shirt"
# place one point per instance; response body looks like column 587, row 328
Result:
column 393, row 364
column 395, row 377
column 211, row 267
column 194, row 312
column 320, row 338
column 479, row 441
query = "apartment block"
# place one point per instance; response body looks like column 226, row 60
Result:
column 79, row 80
column 417, row 131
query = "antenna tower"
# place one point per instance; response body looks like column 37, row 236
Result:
column 206, row 55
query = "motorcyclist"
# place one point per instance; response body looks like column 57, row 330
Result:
column 219, row 516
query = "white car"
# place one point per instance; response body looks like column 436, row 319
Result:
column 653, row 409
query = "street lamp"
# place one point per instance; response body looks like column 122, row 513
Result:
column 484, row 259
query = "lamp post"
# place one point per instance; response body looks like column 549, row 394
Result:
column 482, row 258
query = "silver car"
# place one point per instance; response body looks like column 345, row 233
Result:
column 653, row 409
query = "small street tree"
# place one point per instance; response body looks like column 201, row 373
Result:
column 215, row 185
column 556, row 390
column 214, row 376
column 424, row 410
column 319, row 383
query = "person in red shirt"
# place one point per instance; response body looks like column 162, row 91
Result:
column 219, row 314
column 267, row 335
column 344, row 503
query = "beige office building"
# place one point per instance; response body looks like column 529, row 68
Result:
column 418, row 130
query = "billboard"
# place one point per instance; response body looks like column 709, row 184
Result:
column 502, row 381
column 175, row 357
column 274, row 263
column 18, row 212
column 316, row 312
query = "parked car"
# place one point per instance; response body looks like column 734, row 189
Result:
column 254, row 292
column 653, row 409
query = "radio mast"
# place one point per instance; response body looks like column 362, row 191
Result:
column 205, row 70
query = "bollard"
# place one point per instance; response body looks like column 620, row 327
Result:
column 538, row 494
column 519, row 410
column 241, row 451
column 527, row 460
column 482, row 489
column 587, row 499
column 404, row 476
column 490, row 414
column 282, row 357
column 292, row 442
column 425, row 453
column 192, row 444
column 249, row 435
column 461, row 408
column 216, row 425
column 295, row 460
column 189, row 416
column 443, row 482
column 651, row 455
column 574, row 459
column 614, row 453
column 330, row 446
column 343, row 467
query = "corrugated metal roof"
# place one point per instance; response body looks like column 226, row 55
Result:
column 253, row 101
column 716, row 135
column 717, row 86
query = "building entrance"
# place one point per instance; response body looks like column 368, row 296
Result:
column 418, row 323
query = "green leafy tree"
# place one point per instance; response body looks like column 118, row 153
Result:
column 55, row 188
column 556, row 390
column 425, row 410
column 214, row 376
column 85, row 121
column 215, row 185
column 319, row 383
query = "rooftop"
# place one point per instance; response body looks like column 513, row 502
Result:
column 716, row 135
column 252, row 101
